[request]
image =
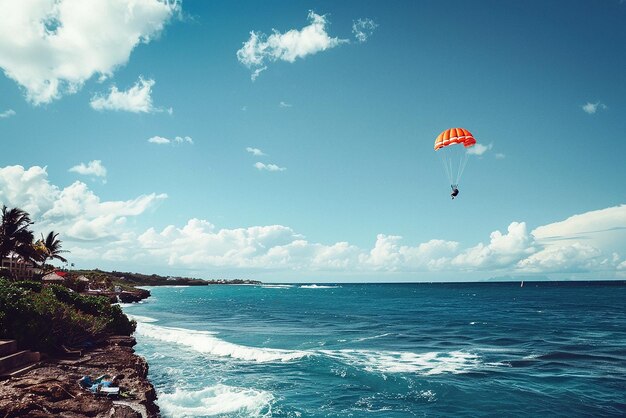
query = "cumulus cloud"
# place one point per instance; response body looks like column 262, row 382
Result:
column 284, row 104
column 575, row 257
column 7, row 114
column 503, row 249
column 604, row 229
column 268, row 167
column 479, row 149
column 92, row 168
column 51, row 47
column 74, row 211
column 591, row 241
column 177, row 140
column 363, row 29
column 500, row 156
column 255, row 151
column 591, row 108
column 260, row 49
column 159, row 140
column 590, row 244
column 137, row 99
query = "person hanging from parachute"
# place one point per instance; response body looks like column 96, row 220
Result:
column 451, row 146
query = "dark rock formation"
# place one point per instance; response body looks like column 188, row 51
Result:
column 53, row 390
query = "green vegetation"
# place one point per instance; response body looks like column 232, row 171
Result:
column 47, row 318
column 126, row 280
column 17, row 240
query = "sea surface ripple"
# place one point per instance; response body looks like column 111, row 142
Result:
column 386, row 350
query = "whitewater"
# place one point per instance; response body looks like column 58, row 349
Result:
column 392, row 350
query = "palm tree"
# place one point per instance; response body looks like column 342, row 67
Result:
column 49, row 248
column 15, row 237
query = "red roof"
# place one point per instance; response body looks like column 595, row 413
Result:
column 61, row 273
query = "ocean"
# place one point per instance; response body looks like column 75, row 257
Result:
column 386, row 350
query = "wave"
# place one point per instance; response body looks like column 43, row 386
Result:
column 139, row 318
column 217, row 400
column 277, row 286
column 372, row 337
column 317, row 286
column 206, row 342
column 426, row 364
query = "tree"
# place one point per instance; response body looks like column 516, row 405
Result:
column 49, row 248
column 15, row 235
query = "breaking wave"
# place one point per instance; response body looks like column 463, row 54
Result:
column 206, row 342
column 217, row 400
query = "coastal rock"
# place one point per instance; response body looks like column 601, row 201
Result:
column 127, row 297
column 135, row 296
column 52, row 389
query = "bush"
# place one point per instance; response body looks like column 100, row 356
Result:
column 45, row 319
column 29, row 285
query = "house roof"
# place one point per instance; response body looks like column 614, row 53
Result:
column 55, row 276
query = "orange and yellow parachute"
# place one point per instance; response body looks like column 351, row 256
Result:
column 451, row 146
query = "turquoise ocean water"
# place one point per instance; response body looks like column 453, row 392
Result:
column 386, row 350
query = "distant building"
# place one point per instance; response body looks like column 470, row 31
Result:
column 20, row 269
column 56, row 277
column 82, row 278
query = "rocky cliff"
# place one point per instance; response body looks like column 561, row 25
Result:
column 52, row 388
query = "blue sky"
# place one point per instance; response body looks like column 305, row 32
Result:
column 346, row 126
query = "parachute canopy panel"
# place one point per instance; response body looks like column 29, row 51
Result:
column 454, row 136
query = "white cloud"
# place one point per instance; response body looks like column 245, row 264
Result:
column 591, row 241
column 479, row 149
column 363, row 29
column 74, row 211
column 261, row 49
column 177, row 140
column 137, row 99
column 283, row 104
column 591, row 244
column 255, row 151
column 51, row 47
column 183, row 140
column 268, row 167
column 592, row 108
column 92, row 168
column 159, row 140
column 500, row 156
column 575, row 257
column 604, row 229
column 503, row 250
column 7, row 114
column 255, row 74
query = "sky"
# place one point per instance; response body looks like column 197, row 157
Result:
column 292, row 141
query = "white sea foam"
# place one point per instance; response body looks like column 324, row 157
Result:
column 317, row 286
column 217, row 400
column 406, row 362
column 277, row 286
column 140, row 318
column 206, row 342
column 372, row 337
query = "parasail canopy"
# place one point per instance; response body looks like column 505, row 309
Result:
column 454, row 136
column 451, row 146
